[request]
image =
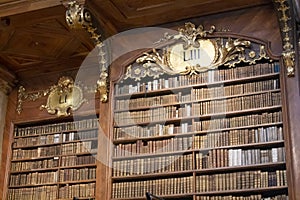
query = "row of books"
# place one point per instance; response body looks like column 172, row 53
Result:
column 200, row 94
column 153, row 130
column 240, row 180
column 232, row 90
column 152, row 147
column 79, row 147
column 211, row 76
column 176, row 144
column 238, row 157
column 32, row 165
column 56, row 127
column 77, row 174
column 251, row 197
column 33, row 178
column 203, row 160
column 77, row 190
column 197, row 109
column 54, row 138
column 31, row 141
column 150, row 165
column 238, row 137
column 66, row 149
column 40, row 192
column 78, row 160
column 36, row 152
column 170, row 186
column 80, row 135
column 232, row 104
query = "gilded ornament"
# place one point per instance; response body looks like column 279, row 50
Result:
column 77, row 16
column 23, row 96
column 252, row 54
column 192, row 53
column 289, row 62
column 286, row 31
column 64, row 98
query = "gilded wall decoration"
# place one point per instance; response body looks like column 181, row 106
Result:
column 62, row 98
column 192, row 52
column 77, row 16
column 284, row 14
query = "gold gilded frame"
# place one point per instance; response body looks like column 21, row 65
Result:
column 62, row 98
column 225, row 51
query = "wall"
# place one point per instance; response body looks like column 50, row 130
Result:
column 3, row 105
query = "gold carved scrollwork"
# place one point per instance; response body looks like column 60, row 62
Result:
column 286, row 31
column 77, row 16
column 24, row 96
column 193, row 53
column 62, row 98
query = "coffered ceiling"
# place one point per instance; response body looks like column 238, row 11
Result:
column 35, row 39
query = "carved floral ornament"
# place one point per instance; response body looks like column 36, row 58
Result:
column 284, row 13
column 62, row 98
column 191, row 52
column 77, row 16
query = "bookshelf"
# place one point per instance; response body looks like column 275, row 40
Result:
column 213, row 135
column 54, row 160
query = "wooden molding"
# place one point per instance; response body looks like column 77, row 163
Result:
column 21, row 6
column 7, row 80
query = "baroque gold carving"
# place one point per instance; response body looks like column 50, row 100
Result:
column 286, row 30
column 24, row 96
column 192, row 53
column 62, row 98
column 77, row 16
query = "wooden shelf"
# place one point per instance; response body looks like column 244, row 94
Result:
column 23, row 176
column 78, row 166
column 35, row 158
column 243, row 191
column 35, row 170
column 32, row 185
column 77, row 182
column 190, row 143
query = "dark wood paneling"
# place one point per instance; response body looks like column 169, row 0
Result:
column 125, row 15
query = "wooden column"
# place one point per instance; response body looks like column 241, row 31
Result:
column 3, row 106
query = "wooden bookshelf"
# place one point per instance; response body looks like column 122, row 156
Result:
column 54, row 161
column 213, row 135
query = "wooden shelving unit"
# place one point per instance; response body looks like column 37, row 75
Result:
column 54, row 160
column 214, row 135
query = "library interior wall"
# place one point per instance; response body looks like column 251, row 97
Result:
column 244, row 22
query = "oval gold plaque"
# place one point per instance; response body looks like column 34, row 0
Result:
column 202, row 56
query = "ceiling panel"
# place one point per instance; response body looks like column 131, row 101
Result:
column 127, row 14
column 34, row 36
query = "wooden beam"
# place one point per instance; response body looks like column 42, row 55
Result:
column 14, row 7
